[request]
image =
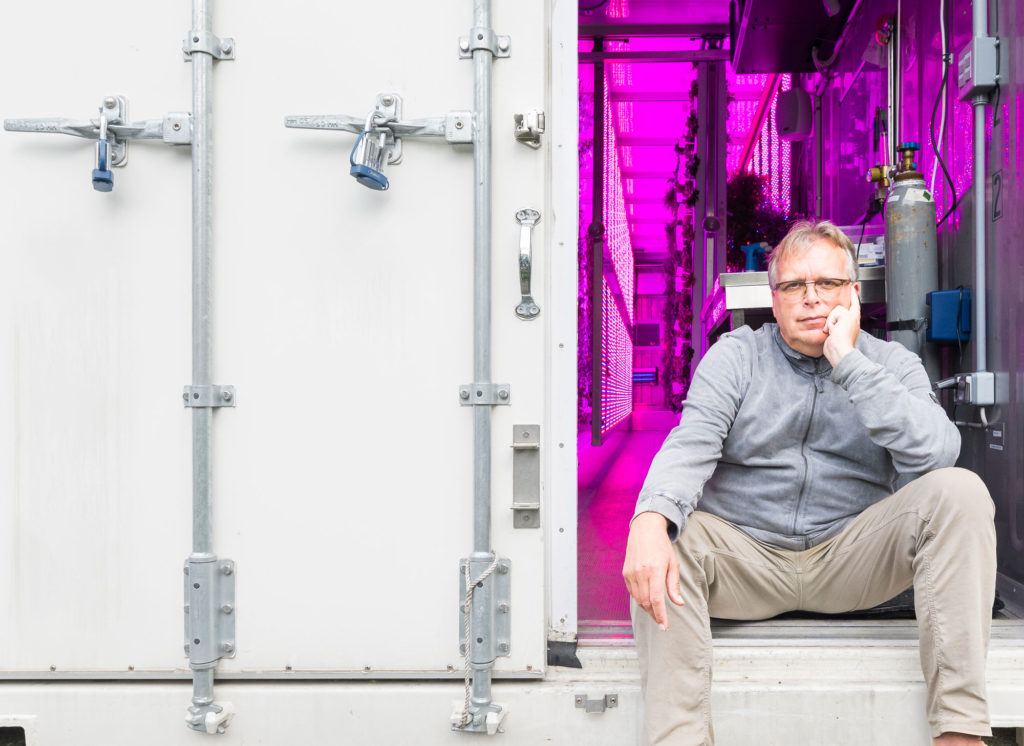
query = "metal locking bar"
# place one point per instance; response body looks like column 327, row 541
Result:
column 455, row 127
column 112, row 131
column 526, row 218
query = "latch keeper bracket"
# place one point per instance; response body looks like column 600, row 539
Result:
column 608, row 701
column 526, row 476
column 209, row 396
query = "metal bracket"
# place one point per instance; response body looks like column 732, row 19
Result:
column 529, row 127
column 208, row 43
column 527, row 308
column 501, row 598
column 455, row 127
column 482, row 37
column 485, row 394
column 174, row 128
column 606, row 702
column 177, row 128
column 212, row 719
column 458, row 127
column 209, row 396
column 526, row 476
column 209, row 610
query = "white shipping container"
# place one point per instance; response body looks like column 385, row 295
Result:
column 342, row 477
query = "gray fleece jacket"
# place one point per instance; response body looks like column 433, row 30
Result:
column 790, row 450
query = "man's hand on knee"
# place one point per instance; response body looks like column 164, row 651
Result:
column 651, row 566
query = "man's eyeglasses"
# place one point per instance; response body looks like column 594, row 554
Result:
column 825, row 288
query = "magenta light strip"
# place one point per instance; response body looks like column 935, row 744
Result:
column 615, row 221
column 616, row 365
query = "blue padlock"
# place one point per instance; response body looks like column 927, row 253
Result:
column 367, row 159
column 102, row 176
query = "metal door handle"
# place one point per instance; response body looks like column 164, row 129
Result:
column 526, row 218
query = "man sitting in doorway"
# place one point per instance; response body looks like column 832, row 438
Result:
column 777, row 492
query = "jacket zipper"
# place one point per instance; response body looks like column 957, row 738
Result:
column 803, row 452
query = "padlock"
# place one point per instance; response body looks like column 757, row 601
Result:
column 369, row 156
column 102, row 176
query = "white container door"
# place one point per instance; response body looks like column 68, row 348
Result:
column 343, row 316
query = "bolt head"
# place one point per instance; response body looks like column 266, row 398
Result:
column 227, row 608
column 503, row 394
column 226, row 47
column 227, row 647
column 109, row 102
column 227, row 569
column 388, row 100
column 464, row 45
column 226, row 395
column 503, row 44
column 463, row 394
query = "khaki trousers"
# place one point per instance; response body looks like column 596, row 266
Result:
column 936, row 534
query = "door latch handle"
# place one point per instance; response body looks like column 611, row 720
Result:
column 526, row 218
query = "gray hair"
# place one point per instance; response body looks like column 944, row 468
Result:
column 800, row 238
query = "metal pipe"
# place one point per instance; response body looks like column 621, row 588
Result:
column 482, row 287
column 979, row 13
column 819, row 142
column 890, row 74
column 980, row 279
column 597, row 253
column 482, row 612
column 202, row 417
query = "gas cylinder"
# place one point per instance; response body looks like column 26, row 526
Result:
column 911, row 255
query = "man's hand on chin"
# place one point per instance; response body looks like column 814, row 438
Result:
column 842, row 325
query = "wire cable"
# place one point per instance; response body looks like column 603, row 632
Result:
column 946, row 61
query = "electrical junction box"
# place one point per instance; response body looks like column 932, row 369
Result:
column 977, row 388
column 949, row 315
column 976, row 67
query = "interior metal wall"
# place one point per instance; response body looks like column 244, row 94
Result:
column 999, row 461
column 848, row 145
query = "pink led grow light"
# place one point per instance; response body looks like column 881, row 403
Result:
column 616, row 365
